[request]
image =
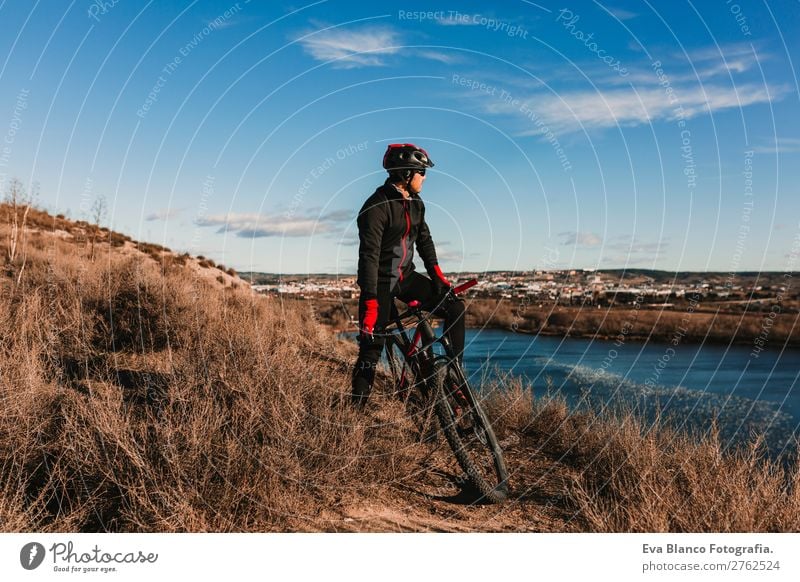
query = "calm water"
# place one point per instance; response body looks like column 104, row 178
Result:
column 692, row 384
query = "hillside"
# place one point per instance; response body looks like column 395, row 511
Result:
column 148, row 391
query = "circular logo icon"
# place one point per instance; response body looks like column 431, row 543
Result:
column 31, row 555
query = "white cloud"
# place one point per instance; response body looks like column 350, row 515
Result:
column 723, row 60
column 632, row 251
column 445, row 58
column 252, row 225
column 729, row 51
column 636, row 246
column 621, row 13
column 584, row 239
column 781, row 145
column 449, row 256
column 640, row 97
column 600, row 108
column 350, row 48
column 458, row 20
column 163, row 214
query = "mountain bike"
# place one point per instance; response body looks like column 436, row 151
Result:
column 432, row 382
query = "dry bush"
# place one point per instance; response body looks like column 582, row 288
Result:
column 631, row 476
column 142, row 400
column 117, row 240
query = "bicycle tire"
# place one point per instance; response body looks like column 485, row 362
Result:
column 411, row 387
column 480, row 458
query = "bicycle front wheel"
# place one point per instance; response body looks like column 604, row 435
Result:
column 469, row 433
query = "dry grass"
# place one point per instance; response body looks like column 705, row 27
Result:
column 142, row 399
column 142, row 396
column 626, row 475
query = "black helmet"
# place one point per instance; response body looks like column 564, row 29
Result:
column 406, row 156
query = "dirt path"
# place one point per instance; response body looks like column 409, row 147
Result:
column 432, row 500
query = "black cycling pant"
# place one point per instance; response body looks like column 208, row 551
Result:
column 414, row 286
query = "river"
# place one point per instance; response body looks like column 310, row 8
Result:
column 689, row 383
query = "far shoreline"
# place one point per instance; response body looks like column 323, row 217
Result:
column 759, row 330
column 656, row 339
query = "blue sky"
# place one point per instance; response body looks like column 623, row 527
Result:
column 573, row 134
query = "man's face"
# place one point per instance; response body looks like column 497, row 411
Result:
column 415, row 186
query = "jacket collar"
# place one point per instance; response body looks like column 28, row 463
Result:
column 394, row 194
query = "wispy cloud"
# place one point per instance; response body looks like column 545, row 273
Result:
column 781, row 145
column 632, row 251
column 604, row 108
column 450, row 256
column 621, row 13
column 635, row 246
column 251, row 225
column 445, row 58
column 726, row 59
column 163, row 214
column 456, row 19
column 349, row 48
column 698, row 86
column 365, row 47
column 583, row 239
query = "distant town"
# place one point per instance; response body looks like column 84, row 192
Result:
column 573, row 287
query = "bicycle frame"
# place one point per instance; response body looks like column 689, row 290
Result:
column 418, row 351
column 440, row 381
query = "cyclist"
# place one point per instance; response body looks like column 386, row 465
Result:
column 391, row 221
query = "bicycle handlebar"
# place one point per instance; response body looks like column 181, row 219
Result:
column 464, row 286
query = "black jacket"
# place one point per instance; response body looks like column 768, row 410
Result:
column 388, row 227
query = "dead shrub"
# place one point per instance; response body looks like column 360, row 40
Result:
column 136, row 310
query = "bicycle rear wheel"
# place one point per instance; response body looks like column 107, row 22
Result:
column 469, row 433
column 412, row 386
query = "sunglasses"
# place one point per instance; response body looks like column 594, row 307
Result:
column 421, row 172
